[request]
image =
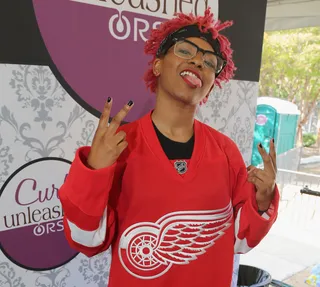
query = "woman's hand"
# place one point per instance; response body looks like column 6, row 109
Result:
column 264, row 179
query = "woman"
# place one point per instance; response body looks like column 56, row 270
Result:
column 170, row 195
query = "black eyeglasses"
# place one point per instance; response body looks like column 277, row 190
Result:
column 188, row 50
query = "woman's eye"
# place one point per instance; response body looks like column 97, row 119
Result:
column 210, row 64
column 185, row 52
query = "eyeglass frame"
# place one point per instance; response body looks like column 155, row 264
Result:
column 224, row 62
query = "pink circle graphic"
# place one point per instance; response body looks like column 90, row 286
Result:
column 261, row 120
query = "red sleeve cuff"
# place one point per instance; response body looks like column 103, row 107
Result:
column 89, row 189
column 273, row 208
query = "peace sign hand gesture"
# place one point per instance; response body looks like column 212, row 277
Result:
column 107, row 144
column 264, row 179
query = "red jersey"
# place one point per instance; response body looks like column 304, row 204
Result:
column 169, row 223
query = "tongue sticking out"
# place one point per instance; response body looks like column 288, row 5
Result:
column 193, row 81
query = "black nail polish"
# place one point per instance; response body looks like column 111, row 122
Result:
column 260, row 145
column 109, row 99
column 273, row 140
column 130, row 103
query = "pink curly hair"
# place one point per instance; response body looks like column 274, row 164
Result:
column 206, row 23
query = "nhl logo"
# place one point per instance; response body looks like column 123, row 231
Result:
column 181, row 166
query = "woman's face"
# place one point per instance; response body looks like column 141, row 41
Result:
column 186, row 80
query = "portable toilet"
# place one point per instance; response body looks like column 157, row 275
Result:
column 277, row 119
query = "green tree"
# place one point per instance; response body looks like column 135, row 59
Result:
column 290, row 69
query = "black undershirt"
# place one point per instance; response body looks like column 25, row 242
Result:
column 175, row 150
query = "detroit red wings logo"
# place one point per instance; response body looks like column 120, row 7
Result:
column 148, row 250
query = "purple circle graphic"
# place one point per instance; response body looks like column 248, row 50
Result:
column 31, row 216
column 97, row 54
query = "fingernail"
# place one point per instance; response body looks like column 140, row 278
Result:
column 109, row 99
column 273, row 140
column 260, row 145
column 130, row 103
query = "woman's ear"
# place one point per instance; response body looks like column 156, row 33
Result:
column 157, row 67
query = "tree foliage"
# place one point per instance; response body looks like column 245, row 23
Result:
column 290, row 68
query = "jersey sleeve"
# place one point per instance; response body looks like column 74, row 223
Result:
column 250, row 226
column 89, row 221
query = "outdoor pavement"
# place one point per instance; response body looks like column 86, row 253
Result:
column 298, row 280
column 293, row 244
